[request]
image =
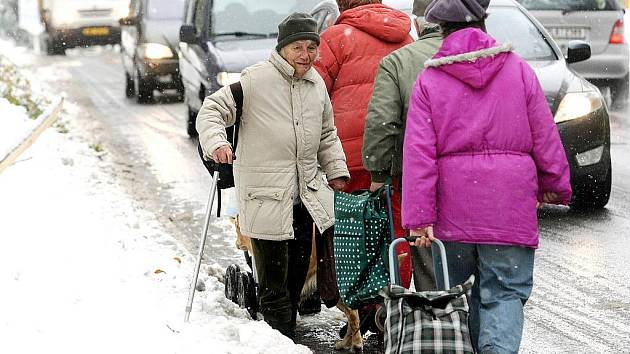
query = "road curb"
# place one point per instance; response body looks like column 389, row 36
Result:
column 45, row 120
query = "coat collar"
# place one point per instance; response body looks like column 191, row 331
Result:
column 287, row 70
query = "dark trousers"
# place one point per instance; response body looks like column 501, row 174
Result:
column 282, row 267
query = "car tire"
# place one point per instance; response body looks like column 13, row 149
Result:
column 181, row 93
column 191, row 128
column 143, row 89
column 54, row 47
column 593, row 196
column 130, row 90
column 619, row 91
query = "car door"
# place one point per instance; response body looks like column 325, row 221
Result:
column 192, row 55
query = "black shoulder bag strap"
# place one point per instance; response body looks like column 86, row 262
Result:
column 237, row 92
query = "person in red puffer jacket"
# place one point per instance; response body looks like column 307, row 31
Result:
column 350, row 52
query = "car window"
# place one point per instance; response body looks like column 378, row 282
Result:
column 165, row 9
column 198, row 17
column 254, row 16
column 570, row 5
column 507, row 24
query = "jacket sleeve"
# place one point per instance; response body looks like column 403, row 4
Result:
column 420, row 172
column 330, row 154
column 383, row 125
column 327, row 65
column 217, row 112
column 547, row 151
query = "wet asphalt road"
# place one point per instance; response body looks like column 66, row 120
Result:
column 581, row 298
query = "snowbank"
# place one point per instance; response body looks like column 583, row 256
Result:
column 22, row 105
column 84, row 270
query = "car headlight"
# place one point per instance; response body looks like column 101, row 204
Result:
column 225, row 78
column 156, row 51
column 578, row 104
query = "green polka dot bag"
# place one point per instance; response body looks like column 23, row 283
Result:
column 363, row 232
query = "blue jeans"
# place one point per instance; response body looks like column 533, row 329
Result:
column 503, row 283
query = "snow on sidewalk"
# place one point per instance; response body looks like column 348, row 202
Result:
column 83, row 270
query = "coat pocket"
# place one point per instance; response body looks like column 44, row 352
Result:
column 323, row 196
column 268, row 210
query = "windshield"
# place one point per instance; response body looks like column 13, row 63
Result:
column 570, row 5
column 254, row 16
column 511, row 25
column 165, row 9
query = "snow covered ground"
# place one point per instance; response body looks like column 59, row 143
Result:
column 84, row 270
column 17, row 121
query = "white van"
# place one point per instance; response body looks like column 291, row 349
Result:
column 74, row 23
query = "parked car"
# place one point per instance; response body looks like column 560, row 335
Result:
column 220, row 38
column 578, row 106
column 149, row 41
column 74, row 23
column 599, row 22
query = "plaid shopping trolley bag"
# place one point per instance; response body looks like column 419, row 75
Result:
column 363, row 231
column 427, row 321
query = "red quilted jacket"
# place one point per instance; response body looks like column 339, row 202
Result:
column 350, row 52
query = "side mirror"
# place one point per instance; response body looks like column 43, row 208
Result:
column 188, row 34
column 578, row 51
column 128, row 21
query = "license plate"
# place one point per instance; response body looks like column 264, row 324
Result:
column 568, row 32
column 95, row 31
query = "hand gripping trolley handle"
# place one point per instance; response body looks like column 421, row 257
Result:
column 439, row 318
column 393, row 264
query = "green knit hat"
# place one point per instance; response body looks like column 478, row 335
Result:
column 298, row 26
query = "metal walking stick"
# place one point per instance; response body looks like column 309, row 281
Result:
column 202, row 243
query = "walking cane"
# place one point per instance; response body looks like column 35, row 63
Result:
column 202, row 243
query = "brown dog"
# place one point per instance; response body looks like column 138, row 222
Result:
column 353, row 340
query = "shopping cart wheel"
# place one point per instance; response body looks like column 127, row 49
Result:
column 246, row 293
column 231, row 281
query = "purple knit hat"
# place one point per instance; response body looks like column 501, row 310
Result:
column 441, row 11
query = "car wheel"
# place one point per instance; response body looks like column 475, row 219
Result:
column 181, row 92
column 592, row 196
column 54, row 47
column 191, row 129
column 130, row 90
column 143, row 89
column 619, row 91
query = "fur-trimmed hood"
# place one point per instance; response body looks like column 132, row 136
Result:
column 471, row 56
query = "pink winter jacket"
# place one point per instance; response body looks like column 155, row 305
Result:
column 481, row 145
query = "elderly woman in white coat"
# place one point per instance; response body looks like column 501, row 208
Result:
column 289, row 160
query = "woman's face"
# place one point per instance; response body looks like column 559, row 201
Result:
column 301, row 55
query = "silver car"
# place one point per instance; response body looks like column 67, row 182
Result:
column 600, row 23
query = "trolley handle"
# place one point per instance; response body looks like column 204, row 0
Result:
column 393, row 264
